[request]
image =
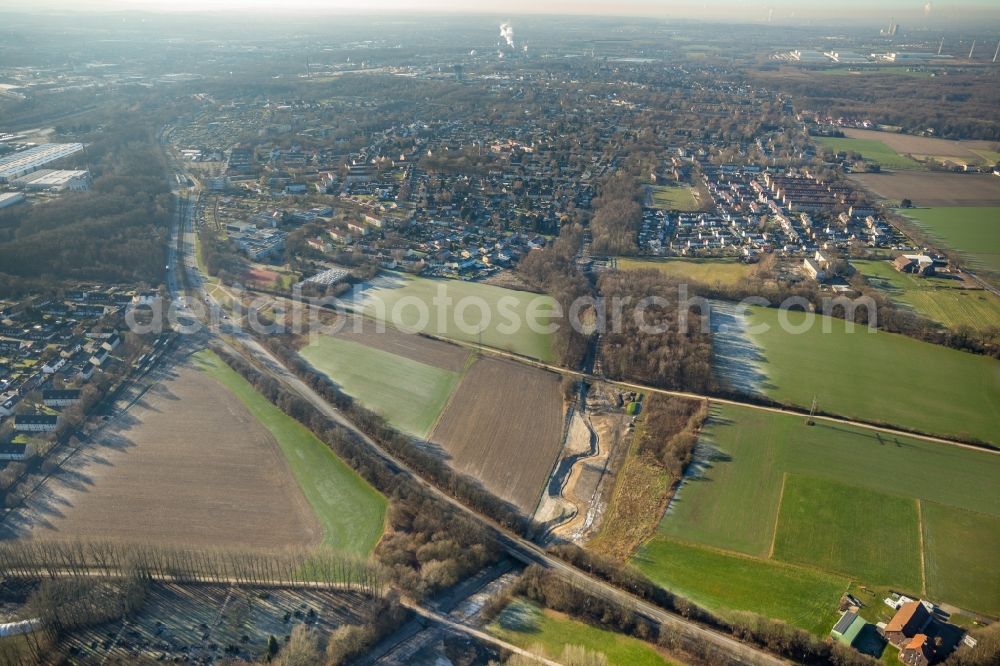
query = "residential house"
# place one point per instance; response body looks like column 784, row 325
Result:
column 60, row 397
column 36, row 422
column 918, row 651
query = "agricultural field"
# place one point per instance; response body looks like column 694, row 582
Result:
column 351, row 512
column 464, row 311
column 943, row 299
column 963, row 152
column 880, row 547
column 410, row 394
column 547, row 633
column 861, row 486
column 680, row 197
column 873, row 375
column 960, row 548
column 871, row 150
column 725, row 272
column 504, row 427
column 931, row 190
column 188, row 464
column 972, row 232
column 721, row 581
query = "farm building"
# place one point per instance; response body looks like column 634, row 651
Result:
column 918, row 264
column 35, row 422
column 911, row 619
column 918, row 651
column 847, row 628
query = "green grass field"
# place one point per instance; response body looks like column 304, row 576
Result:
column 351, row 512
column 877, row 376
column 873, row 479
column 726, row 272
column 723, row 581
column 465, row 316
column 855, row 531
column 671, row 197
column 409, row 394
column 546, row 632
column 940, row 299
column 871, row 150
column 972, row 232
column 961, row 551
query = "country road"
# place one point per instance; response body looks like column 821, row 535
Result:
column 235, row 340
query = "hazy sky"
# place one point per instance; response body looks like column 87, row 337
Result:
column 742, row 9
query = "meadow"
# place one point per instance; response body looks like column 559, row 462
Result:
column 881, row 547
column 972, row 232
column 877, row 376
column 725, row 272
column 721, row 581
column 408, row 393
column 547, row 632
column 469, row 312
column 675, row 197
column 871, row 150
column 960, row 547
column 351, row 512
column 940, row 299
column 830, row 497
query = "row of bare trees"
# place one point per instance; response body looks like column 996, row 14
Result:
column 33, row 559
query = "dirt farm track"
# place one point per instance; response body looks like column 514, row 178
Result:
column 186, row 465
column 504, row 425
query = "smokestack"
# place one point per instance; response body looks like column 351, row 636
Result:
column 941, row 46
column 997, row 53
column 973, row 49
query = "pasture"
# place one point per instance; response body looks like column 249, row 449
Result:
column 464, row 311
column 933, row 189
column 961, row 547
column 189, row 464
column 675, row 197
column 547, row 633
column 871, row 150
column 973, row 232
column 877, row 376
column 941, row 299
column 725, row 272
column 351, row 512
column 504, row 427
column 722, row 581
column 835, row 527
column 843, row 499
column 408, row 393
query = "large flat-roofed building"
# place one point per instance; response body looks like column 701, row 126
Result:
column 54, row 180
column 24, row 162
column 11, row 198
